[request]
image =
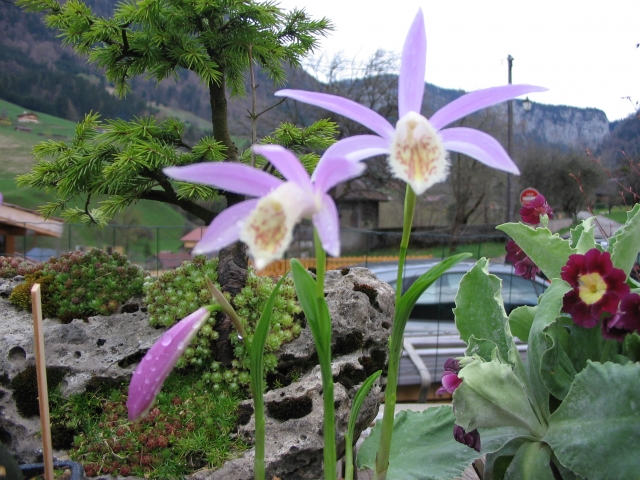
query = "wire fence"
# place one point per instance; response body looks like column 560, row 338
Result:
column 158, row 248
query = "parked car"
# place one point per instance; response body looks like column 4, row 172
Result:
column 433, row 311
column 431, row 335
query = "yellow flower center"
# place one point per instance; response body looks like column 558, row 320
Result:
column 417, row 154
column 591, row 288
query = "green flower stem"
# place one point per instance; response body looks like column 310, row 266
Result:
column 395, row 346
column 260, row 435
column 324, row 357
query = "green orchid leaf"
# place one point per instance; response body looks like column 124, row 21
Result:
column 595, row 432
column 411, row 296
column 556, row 369
column 548, row 251
column 520, row 321
column 314, row 309
column 363, row 391
column 256, row 351
column 491, row 395
column 625, row 248
column 531, row 462
column 480, row 311
column 587, row 239
column 546, row 314
column 423, row 446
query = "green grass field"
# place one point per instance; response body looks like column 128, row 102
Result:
column 152, row 226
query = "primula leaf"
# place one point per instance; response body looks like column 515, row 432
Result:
column 596, row 430
column 625, row 248
column 631, row 347
column 520, row 321
column 556, row 368
column 496, row 463
column 531, row 462
column 491, row 395
column 480, row 312
column 546, row 314
column 423, row 446
column 548, row 251
column 586, row 344
column 587, row 240
column 410, row 297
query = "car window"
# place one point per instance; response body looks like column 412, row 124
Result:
column 519, row 291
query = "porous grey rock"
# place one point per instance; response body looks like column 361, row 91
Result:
column 108, row 349
column 103, row 349
column 361, row 308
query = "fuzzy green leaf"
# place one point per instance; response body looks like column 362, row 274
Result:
column 625, row 248
column 548, row 251
column 596, row 430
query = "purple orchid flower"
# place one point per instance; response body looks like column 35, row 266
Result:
column 157, row 364
column 266, row 224
column 417, row 146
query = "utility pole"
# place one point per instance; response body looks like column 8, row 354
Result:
column 508, row 214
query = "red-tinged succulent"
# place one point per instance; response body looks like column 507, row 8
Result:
column 597, row 287
column 531, row 212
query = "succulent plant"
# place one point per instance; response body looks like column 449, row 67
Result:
column 11, row 266
column 80, row 285
column 176, row 293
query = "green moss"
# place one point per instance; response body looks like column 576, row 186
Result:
column 21, row 294
column 25, row 388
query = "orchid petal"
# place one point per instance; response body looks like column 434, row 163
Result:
column 156, row 365
column 357, row 148
column 225, row 229
column 345, row 107
column 332, row 171
column 474, row 101
column 412, row 68
column 480, row 146
column 327, row 224
column 233, row 177
column 286, row 163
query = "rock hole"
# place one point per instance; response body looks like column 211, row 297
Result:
column 345, row 271
column 77, row 354
column 132, row 359
column 290, row 408
column 17, row 355
column 303, row 437
column 370, row 292
column 130, row 308
column 101, row 342
column 244, row 413
column 350, row 376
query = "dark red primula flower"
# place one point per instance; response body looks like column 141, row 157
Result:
column 450, row 379
column 531, row 212
column 470, row 439
column 524, row 266
column 597, row 287
column 627, row 320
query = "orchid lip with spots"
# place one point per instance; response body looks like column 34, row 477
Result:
column 266, row 224
column 417, row 146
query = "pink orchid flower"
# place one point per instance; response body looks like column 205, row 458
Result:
column 416, row 146
column 157, row 364
column 266, row 224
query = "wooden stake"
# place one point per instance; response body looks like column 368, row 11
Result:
column 41, row 370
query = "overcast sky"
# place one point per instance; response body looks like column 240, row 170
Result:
column 583, row 51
